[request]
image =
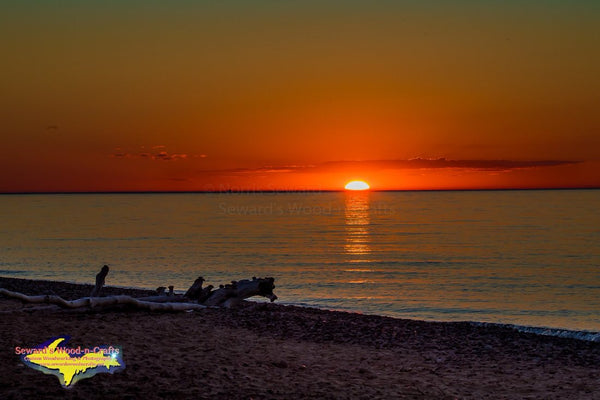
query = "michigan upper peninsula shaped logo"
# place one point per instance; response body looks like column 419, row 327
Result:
column 71, row 365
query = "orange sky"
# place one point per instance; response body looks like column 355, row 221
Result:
column 185, row 95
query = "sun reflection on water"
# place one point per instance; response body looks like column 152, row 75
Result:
column 357, row 226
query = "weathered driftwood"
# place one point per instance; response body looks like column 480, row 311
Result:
column 230, row 295
column 205, row 294
column 194, row 291
column 226, row 296
column 97, row 302
column 100, row 278
column 164, row 299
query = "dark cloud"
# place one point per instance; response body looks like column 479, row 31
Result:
column 415, row 163
column 158, row 153
column 272, row 169
column 165, row 156
column 425, row 163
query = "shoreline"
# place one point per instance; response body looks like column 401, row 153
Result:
column 265, row 350
column 72, row 290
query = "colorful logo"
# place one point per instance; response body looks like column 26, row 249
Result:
column 71, row 365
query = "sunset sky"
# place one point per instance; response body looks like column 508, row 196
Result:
column 296, row 95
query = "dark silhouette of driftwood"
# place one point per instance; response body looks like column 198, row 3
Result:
column 194, row 291
column 99, row 281
column 196, row 297
column 102, row 302
column 232, row 294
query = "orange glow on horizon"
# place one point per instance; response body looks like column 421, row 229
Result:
column 241, row 101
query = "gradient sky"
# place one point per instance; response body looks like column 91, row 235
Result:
column 200, row 95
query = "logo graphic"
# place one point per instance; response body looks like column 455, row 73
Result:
column 70, row 365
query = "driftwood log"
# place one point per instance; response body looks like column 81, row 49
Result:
column 233, row 294
column 195, row 298
column 100, row 278
column 101, row 302
column 194, row 291
column 230, row 294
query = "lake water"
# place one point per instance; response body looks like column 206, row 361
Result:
column 518, row 257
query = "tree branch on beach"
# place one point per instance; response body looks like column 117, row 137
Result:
column 232, row 294
column 99, row 302
column 196, row 297
column 100, row 278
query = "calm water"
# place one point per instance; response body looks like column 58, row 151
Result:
column 520, row 257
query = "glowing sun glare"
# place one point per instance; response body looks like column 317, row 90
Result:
column 357, row 185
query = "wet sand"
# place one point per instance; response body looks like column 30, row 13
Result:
column 270, row 351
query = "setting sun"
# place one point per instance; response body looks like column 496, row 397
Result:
column 357, row 185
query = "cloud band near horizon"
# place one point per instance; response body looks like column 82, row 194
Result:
column 415, row 163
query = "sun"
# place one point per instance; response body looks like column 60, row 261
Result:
column 357, row 185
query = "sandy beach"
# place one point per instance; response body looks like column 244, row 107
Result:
column 270, row 351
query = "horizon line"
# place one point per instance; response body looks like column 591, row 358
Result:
column 275, row 191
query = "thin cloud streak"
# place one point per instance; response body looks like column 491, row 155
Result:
column 416, row 163
column 158, row 153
